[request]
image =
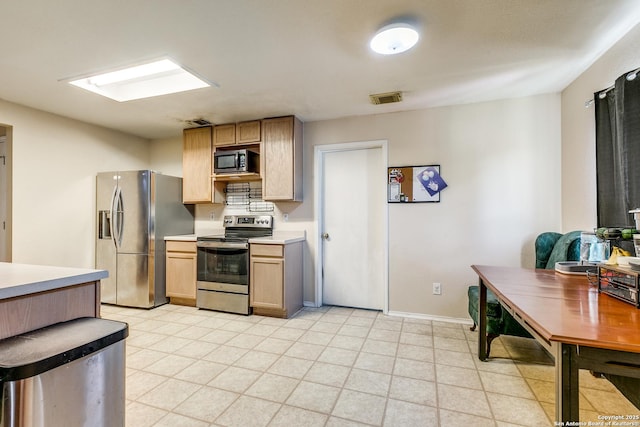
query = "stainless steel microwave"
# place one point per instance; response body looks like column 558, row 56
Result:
column 235, row 161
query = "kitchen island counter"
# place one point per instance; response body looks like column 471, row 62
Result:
column 23, row 279
column 35, row 296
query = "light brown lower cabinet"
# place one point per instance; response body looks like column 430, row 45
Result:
column 181, row 272
column 275, row 285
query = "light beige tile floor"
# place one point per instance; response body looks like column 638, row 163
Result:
column 335, row 366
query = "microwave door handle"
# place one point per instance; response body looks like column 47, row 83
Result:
column 237, row 160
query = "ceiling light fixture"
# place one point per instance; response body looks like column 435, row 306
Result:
column 394, row 38
column 147, row 80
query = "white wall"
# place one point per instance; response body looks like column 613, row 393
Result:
column 166, row 156
column 501, row 161
column 579, row 207
column 55, row 161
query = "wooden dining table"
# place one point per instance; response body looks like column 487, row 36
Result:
column 581, row 327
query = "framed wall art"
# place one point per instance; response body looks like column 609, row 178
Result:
column 414, row 184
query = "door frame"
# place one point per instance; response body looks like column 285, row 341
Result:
column 7, row 196
column 319, row 152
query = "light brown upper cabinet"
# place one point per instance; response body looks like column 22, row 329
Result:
column 248, row 132
column 224, row 134
column 236, row 133
column 281, row 159
column 196, row 165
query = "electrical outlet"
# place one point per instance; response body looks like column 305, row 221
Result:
column 437, row 289
column 285, row 217
column 212, row 215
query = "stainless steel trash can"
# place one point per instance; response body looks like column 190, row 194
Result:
column 70, row 374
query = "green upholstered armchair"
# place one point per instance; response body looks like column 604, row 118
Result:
column 550, row 248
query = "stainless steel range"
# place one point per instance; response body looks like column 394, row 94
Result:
column 223, row 263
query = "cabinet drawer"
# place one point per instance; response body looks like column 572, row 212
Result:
column 267, row 250
column 179, row 246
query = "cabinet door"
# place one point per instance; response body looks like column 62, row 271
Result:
column 181, row 275
column 224, row 134
column 196, row 165
column 248, row 132
column 267, row 283
column 281, row 157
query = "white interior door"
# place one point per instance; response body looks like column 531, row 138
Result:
column 353, row 228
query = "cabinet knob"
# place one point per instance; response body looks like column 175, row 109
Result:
column 325, row 236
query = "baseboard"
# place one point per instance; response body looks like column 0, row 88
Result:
column 464, row 321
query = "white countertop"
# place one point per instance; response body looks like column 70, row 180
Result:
column 281, row 238
column 182, row 237
column 194, row 236
column 24, row 279
column 278, row 238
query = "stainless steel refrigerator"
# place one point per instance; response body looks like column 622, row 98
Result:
column 136, row 210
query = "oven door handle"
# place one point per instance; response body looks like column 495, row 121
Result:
column 221, row 245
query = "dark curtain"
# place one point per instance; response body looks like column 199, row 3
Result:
column 618, row 173
column 618, row 152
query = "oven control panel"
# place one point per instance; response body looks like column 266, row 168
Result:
column 251, row 221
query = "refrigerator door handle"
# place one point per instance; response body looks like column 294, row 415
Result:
column 112, row 223
column 116, row 217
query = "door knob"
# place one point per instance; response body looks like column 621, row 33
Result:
column 325, row 236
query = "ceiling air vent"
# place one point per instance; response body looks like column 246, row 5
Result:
column 199, row 122
column 385, row 98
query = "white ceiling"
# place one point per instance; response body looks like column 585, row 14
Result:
column 304, row 57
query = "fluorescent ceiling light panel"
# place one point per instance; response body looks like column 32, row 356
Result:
column 142, row 81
